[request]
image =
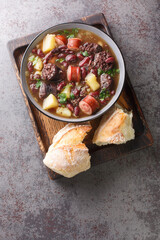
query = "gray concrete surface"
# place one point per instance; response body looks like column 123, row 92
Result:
column 117, row 200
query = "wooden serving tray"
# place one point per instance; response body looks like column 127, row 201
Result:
column 45, row 128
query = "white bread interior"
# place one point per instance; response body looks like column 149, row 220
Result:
column 67, row 155
column 115, row 128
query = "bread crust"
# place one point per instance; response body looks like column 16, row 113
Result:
column 115, row 128
column 67, row 155
column 68, row 160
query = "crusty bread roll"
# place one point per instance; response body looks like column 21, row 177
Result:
column 115, row 127
column 71, row 134
column 67, row 155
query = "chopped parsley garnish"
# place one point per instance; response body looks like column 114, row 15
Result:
column 104, row 94
column 62, row 98
column 38, row 84
column 69, row 34
column 100, row 71
column 85, row 53
column 72, row 96
column 60, row 60
column 112, row 72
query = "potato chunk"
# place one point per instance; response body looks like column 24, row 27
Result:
column 48, row 43
column 39, row 65
column 50, row 102
column 67, row 90
column 91, row 80
column 65, row 112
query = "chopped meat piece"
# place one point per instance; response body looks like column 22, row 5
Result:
column 75, row 102
column 51, row 88
column 49, row 71
column 43, row 90
column 99, row 61
column 91, row 48
column 105, row 80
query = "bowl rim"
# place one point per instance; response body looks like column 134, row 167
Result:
column 54, row 116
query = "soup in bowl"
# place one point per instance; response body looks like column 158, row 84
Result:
column 73, row 72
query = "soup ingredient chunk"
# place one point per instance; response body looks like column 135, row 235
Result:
column 49, row 71
column 88, row 105
column 43, row 90
column 67, row 90
column 105, row 80
column 91, row 48
column 64, row 112
column 48, row 43
column 61, row 40
column 74, row 43
column 91, row 80
column 73, row 74
column 50, row 102
column 100, row 61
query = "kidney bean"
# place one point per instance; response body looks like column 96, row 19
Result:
column 62, row 47
column 80, row 56
column 76, row 111
column 40, row 53
column 31, row 77
column 71, row 58
column 70, row 107
column 103, row 101
column 91, row 57
column 34, row 50
column 110, row 60
column 37, row 76
column 94, row 94
column 65, row 64
column 84, row 61
column 94, row 71
column 61, row 55
column 30, row 66
column 83, row 72
column 61, row 85
column 76, row 92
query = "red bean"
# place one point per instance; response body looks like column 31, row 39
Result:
column 40, row 53
column 80, row 56
column 103, row 101
column 37, row 76
column 71, row 58
column 84, row 61
column 94, row 94
column 61, row 85
column 94, row 71
column 62, row 47
column 110, row 60
column 76, row 111
column 65, row 64
column 34, row 50
column 30, row 66
column 70, row 107
column 76, row 92
column 61, row 55
column 31, row 77
column 83, row 72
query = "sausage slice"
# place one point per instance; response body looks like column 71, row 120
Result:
column 88, row 105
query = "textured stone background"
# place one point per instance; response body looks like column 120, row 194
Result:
column 117, row 200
